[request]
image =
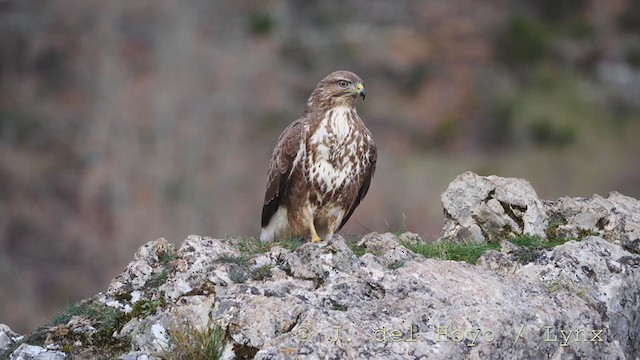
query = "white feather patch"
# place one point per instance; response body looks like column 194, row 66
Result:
column 278, row 225
column 322, row 170
column 341, row 125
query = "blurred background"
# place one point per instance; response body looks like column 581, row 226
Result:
column 125, row 121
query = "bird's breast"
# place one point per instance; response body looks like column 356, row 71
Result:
column 335, row 151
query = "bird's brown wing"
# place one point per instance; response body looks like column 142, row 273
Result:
column 280, row 168
column 364, row 184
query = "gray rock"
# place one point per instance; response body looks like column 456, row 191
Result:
column 331, row 304
column 387, row 248
column 486, row 208
column 140, row 271
column 138, row 355
column 431, row 308
column 8, row 337
column 320, row 261
column 489, row 208
column 150, row 335
column 31, row 352
column 499, row 262
column 615, row 218
column 577, row 300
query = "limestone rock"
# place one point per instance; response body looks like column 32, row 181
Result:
column 138, row 355
column 387, row 248
column 7, row 337
column 615, row 218
column 150, row 335
column 141, row 270
column 499, row 262
column 486, row 208
column 31, row 352
column 375, row 298
column 320, row 261
column 328, row 303
column 489, row 208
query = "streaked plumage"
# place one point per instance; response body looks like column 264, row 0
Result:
column 322, row 165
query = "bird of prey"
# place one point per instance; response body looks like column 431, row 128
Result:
column 321, row 166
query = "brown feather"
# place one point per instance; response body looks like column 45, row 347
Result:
column 280, row 168
column 364, row 185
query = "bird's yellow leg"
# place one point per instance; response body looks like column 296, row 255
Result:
column 314, row 235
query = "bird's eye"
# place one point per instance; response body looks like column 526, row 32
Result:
column 343, row 83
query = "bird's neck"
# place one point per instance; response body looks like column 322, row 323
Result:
column 322, row 105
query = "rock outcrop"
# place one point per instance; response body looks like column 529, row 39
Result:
column 481, row 209
column 484, row 209
column 374, row 298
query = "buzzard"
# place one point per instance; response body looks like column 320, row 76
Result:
column 321, row 166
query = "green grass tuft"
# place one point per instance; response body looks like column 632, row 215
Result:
column 190, row 343
column 401, row 229
column 262, row 23
column 396, row 265
column 531, row 246
column 291, row 243
column 238, row 260
column 339, row 307
column 353, row 245
column 158, row 279
column 165, row 257
column 145, row 308
column 70, row 311
column 536, row 243
column 469, row 252
column 105, row 316
column 253, row 246
column 105, row 319
column 552, row 229
column 449, row 250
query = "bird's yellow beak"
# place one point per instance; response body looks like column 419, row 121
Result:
column 361, row 91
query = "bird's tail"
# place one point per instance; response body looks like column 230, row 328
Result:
column 278, row 225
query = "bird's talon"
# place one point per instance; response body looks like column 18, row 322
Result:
column 316, row 239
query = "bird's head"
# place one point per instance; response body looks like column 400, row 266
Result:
column 338, row 88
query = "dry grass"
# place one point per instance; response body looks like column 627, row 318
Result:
column 187, row 342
